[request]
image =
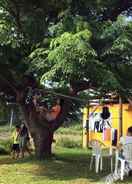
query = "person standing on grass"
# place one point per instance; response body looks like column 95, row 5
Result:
column 126, row 140
column 15, row 151
column 24, row 140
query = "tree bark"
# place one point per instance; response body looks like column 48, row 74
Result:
column 40, row 131
column 43, row 143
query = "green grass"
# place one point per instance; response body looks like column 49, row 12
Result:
column 69, row 137
column 69, row 166
column 75, row 129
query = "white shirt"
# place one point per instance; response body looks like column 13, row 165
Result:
column 126, row 140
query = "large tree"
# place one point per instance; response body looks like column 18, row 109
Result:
column 73, row 45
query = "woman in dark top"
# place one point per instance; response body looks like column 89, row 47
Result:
column 24, row 139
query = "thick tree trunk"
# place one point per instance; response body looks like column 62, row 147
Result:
column 43, row 142
column 42, row 138
column 40, row 132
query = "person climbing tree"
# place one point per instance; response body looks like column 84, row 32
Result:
column 52, row 114
column 49, row 115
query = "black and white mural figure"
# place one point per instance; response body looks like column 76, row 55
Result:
column 98, row 121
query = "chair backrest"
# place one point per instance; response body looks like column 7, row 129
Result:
column 96, row 146
column 127, row 151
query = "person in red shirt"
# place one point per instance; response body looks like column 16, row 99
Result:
column 48, row 114
column 54, row 112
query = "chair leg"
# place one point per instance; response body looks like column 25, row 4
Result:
column 97, row 160
column 116, row 163
column 101, row 163
column 91, row 162
column 122, row 168
column 127, row 169
column 111, row 164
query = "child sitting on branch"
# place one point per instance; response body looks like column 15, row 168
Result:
column 48, row 114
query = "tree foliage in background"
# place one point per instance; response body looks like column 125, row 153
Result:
column 70, row 46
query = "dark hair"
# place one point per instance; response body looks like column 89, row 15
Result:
column 24, row 130
column 130, row 129
column 17, row 126
column 30, row 80
column 105, row 113
column 61, row 102
column 36, row 92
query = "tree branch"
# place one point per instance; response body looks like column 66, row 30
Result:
column 122, row 6
column 77, row 86
column 15, row 11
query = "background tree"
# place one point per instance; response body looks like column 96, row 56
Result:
column 73, row 45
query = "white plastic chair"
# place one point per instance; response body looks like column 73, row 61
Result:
column 126, row 158
column 99, row 150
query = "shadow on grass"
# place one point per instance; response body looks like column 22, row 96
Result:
column 68, row 164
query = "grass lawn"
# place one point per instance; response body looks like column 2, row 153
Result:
column 69, row 166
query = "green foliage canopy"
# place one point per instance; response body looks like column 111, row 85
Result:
column 67, row 41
